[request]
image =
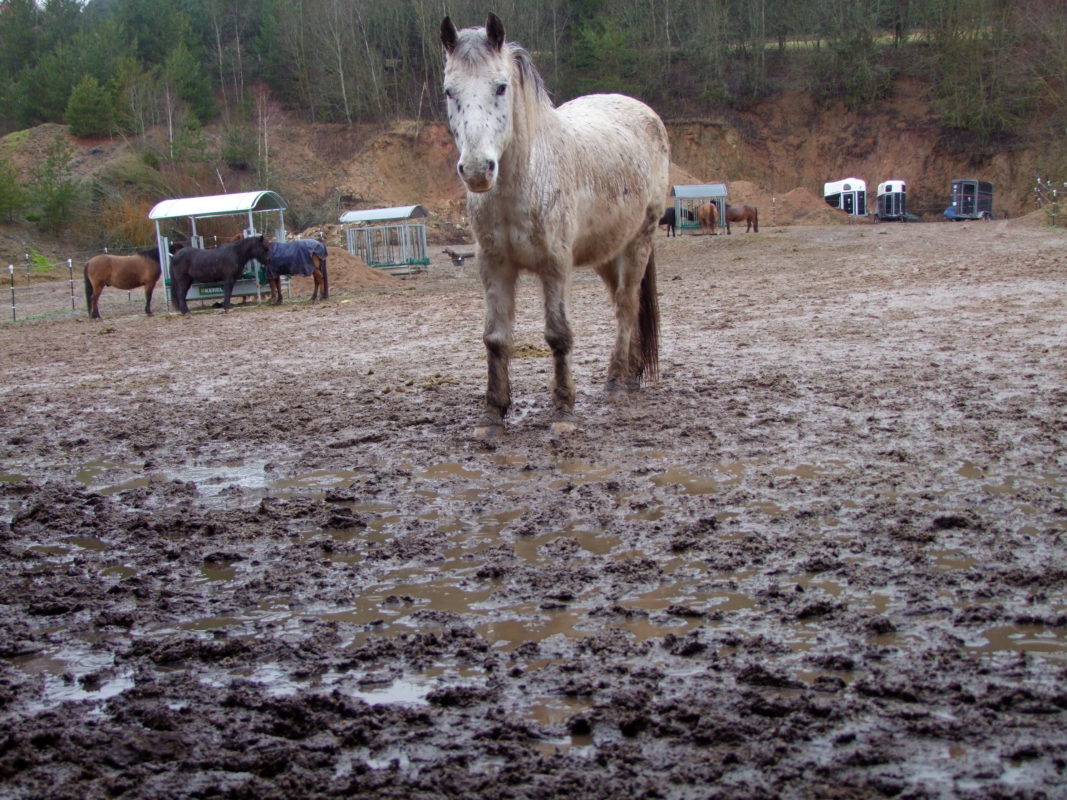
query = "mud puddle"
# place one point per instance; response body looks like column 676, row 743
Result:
column 824, row 556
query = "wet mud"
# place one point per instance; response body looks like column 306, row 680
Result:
column 261, row 554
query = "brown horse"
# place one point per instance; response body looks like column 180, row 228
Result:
column 122, row 272
column 708, row 217
column 746, row 214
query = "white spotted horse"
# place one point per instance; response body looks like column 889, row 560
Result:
column 548, row 190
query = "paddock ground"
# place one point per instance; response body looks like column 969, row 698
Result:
column 260, row 554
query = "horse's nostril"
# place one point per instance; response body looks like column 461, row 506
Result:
column 461, row 170
column 491, row 165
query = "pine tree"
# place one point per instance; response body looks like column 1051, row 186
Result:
column 91, row 109
column 13, row 195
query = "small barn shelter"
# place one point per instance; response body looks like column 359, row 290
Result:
column 261, row 212
column 689, row 197
column 850, row 195
column 388, row 239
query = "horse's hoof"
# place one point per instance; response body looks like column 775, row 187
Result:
column 563, row 427
column 489, row 432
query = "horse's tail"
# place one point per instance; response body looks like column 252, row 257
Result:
column 88, row 290
column 648, row 321
column 755, row 219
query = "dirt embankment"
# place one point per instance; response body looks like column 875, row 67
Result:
column 776, row 156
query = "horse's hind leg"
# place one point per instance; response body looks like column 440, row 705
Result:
column 148, row 289
column 92, row 296
column 623, row 277
column 499, row 282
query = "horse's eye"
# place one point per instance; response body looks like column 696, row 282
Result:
column 448, row 94
column 501, row 89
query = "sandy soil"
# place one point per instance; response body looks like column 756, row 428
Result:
column 260, row 554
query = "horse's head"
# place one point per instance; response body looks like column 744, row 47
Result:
column 257, row 247
column 478, row 89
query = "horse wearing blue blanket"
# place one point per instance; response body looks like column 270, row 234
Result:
column 298, row 257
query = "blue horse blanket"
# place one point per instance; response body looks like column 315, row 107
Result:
column 294, row 258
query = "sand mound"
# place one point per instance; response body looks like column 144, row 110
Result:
column 347, row 273
column 679, row 177
column 798, row 206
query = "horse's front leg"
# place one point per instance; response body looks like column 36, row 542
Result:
column 560, row 340
column 227, row 293
column 499, row 281
column 148, row 289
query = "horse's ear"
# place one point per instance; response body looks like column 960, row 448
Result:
column 494, row 30
column 448, row 34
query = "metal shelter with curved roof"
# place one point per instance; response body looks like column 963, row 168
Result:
column 387, row 238
column 689, row 197
column 251, row 206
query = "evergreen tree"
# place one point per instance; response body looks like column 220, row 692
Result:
column 13, row 196
column 55, row 191
column 91, row 109
column 183, row 71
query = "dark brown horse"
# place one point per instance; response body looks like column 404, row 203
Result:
column 122, row 272
column 708, row 217
column 298, row 257
column 669, row 219
column 223, row 264
column 746, row 214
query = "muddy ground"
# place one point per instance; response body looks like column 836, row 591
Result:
column 261, row 555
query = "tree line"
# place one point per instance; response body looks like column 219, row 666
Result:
column 127, row 65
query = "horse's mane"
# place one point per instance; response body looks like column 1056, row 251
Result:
column 152, row 253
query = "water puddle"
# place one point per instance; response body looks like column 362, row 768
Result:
column 73, row 673
column 1051, row 642
column 724, row 476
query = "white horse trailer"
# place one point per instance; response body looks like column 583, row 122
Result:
column 892, row 201
column 850, row 195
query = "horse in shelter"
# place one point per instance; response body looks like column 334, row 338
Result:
column 122, row 272
column 223, row 264
column 708, row 217
column 548, row 190
column 669, row 219
column 298, row 257
column 747, row 214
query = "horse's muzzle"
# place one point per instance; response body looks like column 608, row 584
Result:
column 479, row 175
